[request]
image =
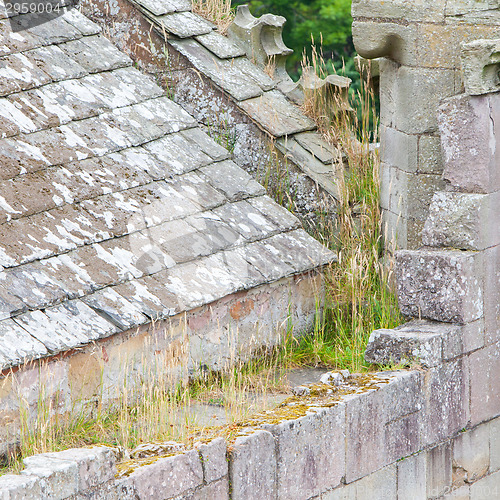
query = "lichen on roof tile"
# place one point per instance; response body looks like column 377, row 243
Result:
column 116, row 208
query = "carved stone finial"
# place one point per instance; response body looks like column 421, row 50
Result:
column 481, row 66
column 334, row 89
column 262, row 39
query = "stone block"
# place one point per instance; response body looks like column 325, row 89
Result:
column 309, row 464
column 20, row 487
column 383, row 425
column 438, row 470
column 471, row 452
column 494, row 426
column 380, row 484
column 394, row 230
column 419, row 10
column 440, row 285
column 463, row 339
column 398, row 149
column 218, row 490
column 213, row 459
column 484, row 366
column 480, row 64
column 417, row 95
column 492, row 292
column 253, row 467
column 446, row 393
column 388, row 81
column 462, row 220
column 469, row 142
column 405, row 345
column 168, row 477
column 430, row 156
column 487, row 488
column 412, row 478
column 57, row 478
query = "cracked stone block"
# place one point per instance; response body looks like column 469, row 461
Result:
column 150, row 297
column 17, row 345
column 277, row 115
column 232, row 180
column 220, row 71
column 462, row 220
column 185, row 24
column 471, row 452
column 57, row 478
column 168, row 477
column 469, row 142
column 440, row 285
column 253, row 467
column 307, row 463
column 213, row 459
column 84, row 52
column 220, row 45
column 395, row 346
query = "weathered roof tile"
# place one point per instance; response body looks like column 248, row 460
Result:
column 220, row 45
column 233, row 181
column 276, row 114
column 55, row 63
column 115, row 308
column 84, row 51
column 83, row 24
column 185, row 24
column 56, row 31
column 220, row 71
column 65, row 326
column 17, row 345
column 160, row 7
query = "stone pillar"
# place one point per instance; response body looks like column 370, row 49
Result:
column 419, row 43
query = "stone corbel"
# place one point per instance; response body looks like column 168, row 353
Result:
column 481, row 66
column 262, row 40
column 333, row 88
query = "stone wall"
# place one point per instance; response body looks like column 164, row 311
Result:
column 212, row 336
column 419, row 43
column 384, row 442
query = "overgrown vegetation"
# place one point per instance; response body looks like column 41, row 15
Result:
column 219, row 12
column 358, row 300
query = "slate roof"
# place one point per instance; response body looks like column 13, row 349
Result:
column 225, row 63
column 115, row 208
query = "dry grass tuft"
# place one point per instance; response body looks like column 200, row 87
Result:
column 218, row 12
